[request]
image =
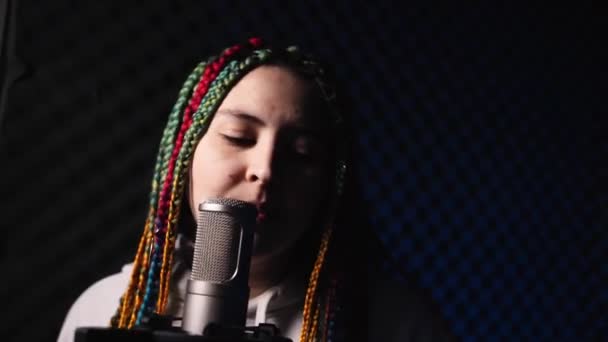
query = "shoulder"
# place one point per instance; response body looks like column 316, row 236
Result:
column 403, row 312
column 96, row 305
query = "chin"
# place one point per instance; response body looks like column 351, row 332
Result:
column 268, row 252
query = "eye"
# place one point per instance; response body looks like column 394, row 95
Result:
column 306, row 149
column 238, row 141
column 302, row 151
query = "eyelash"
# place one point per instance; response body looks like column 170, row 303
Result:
column 237, row 141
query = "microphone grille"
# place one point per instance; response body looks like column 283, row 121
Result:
column 218, row 237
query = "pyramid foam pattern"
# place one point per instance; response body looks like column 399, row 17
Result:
column 480, row 133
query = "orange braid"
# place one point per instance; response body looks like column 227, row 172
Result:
column 128, row 297
column 307, row 332
column 174, row 207
column 315, row 324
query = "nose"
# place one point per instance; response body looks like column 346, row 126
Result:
column 261, row 163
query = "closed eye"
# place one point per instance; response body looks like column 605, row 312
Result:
column 308, row 149
column 239, row 141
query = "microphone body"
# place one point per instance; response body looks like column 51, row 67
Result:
column 218, row 290
column 215, row 308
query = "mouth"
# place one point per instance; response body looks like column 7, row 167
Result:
column 266, row 214
column 262, row 216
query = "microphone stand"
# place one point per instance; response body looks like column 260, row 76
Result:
column 160, row 328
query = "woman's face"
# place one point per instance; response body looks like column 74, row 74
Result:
column 267, row 144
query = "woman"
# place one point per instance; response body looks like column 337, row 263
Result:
column 263, row 126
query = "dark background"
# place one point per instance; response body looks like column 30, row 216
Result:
column 481, row 135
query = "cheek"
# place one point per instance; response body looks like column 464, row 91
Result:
column 211, row 175
column 311, row 187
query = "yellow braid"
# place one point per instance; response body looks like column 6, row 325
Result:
column 164, row 277
column 315, row 324
column 141, row 286
column 174, row 208
column 128, row 297
column 308, row 333
column 167, row 281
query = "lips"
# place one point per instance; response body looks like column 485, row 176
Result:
column 266, row 214
column 261, row 218
column 262, row 213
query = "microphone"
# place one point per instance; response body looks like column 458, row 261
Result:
column 218, row 291
column 215, row 308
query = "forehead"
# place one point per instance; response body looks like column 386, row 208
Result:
column 275, row 93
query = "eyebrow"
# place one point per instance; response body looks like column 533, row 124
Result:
column 242, row 116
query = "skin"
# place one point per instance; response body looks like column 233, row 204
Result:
column 267, row 145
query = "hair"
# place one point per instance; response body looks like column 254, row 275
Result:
column 198, row 100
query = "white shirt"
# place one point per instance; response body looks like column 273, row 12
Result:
column 396, row 312
column 279, row 305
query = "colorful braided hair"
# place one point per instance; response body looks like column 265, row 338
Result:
column 199, row 98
